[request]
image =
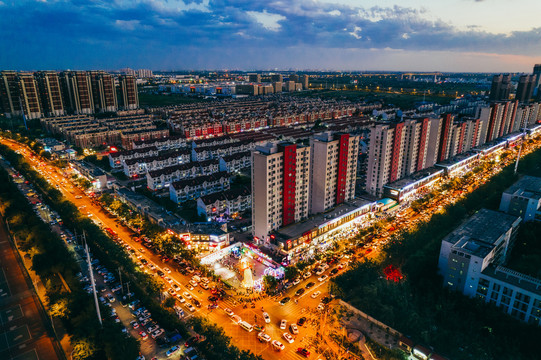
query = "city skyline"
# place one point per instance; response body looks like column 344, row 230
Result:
column 453, row 36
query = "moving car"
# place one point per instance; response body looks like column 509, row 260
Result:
column 190, row 307
column 262, row 337
column 315, row 295
column 285, row 300
column 310, row 284
column 187, row 295
column 229, row 312
column 293, row 329
column 283, row 324
column 323, row 278
column 278, row 346
column 299, row 292
column 304, row 352
column 301, row 321
column 266, row 317
column 288, row 337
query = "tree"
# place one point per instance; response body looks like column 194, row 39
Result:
column 169, row 302
column 291, row 272
column 270, row 283
column 83, row 350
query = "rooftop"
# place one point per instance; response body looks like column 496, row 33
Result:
column 479, row 234
column 412, row 179
column 527, row 186
column 296, row 230
column 514, row 277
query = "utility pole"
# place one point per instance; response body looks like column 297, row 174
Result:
column 520, row 150
column 93, row 283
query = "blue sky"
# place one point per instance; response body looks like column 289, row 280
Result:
column 408, row 35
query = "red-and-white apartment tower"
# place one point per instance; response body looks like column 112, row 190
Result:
column 280, row 187
column 401, row 148
column 334, row 170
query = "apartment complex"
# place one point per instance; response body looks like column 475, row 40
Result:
column 471, row 261
column 280, row 186
column 48, row 93
column 334, row 170
column 400, row 148
column 87, row 131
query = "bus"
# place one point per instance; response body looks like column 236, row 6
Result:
column 246, row 326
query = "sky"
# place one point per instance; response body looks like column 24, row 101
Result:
column 369, row 35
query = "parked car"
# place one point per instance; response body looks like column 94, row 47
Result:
column 172, row 351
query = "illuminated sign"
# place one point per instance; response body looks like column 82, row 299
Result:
column 394, row 192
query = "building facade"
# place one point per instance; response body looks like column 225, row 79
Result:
column 280, row 186
column 334, row 170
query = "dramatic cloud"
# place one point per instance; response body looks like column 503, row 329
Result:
column 194, row 34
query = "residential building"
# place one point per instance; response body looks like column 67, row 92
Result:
column 225, row 205
column 163, row 143
column 103, row 91
column 523, row 199
column 140, row 166
column 51, row 93
column 280, row 186
column 77, row 91
column 10, row 97
column 128, row 90
column 501, row 87
column 162, row 178
column 29, row 95
column 183, row 190
column 399, row 149
column 471, row 262
column 235, row 163
column 525, row 87
column 117, row 158
column 277, row 78
column 256, row 78
column 334, row 170
column 305, row 81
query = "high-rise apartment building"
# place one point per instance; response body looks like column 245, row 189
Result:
column 50, row 93
column 537, row 73
column 277, row 78
column 294, row 78
column 399, row 149
column 305, row 81
column 501, row 87
column 10, row 93
column 501, row 119
column 19, row 94
column 334, row 170
column 103, row 91
column 128, row 90
column 280, row 187
column 29, row 95
column 526, row 84
column 144, row 73
column 77, row 90
column 254, row 78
